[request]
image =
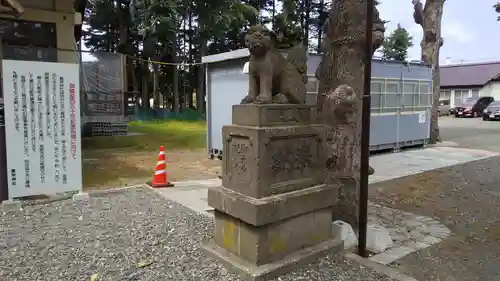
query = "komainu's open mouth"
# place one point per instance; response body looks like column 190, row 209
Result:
column 257, row 45
column 258, row 48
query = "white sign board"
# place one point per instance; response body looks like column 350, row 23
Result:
column 422, row 117
column 42, row 125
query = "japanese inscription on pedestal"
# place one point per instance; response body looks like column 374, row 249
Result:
column 43, row 97
column 237, row 164
column 291, row 159
column 280, row 115
column 295, row 116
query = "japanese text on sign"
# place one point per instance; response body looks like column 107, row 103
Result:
column 43, row 125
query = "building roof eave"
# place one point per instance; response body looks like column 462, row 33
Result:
column 79, row 6
column 13, row 6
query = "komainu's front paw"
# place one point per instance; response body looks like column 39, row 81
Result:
column 247, row 99
column 264, row 99
column 281, row 99
column 371, row 171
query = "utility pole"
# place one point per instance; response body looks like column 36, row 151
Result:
column 365, row 132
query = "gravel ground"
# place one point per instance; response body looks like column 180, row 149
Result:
column 134, row 235
column 466, row 198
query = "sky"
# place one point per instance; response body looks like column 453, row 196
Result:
column 470, row 31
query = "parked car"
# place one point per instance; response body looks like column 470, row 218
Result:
column 472, row 107
column 444, row 107
column 492, row 112
column 452, row 111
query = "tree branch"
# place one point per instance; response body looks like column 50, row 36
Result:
column 418, row 12
column 378, row 30
column 497, row 9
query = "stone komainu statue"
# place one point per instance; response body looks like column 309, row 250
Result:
column 339, row 111
column 272, row 78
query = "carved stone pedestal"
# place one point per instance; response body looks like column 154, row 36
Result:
column 273, row 210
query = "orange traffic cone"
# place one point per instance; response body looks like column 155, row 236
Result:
column 160, row 177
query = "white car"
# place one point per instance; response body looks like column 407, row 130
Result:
column 444, row 107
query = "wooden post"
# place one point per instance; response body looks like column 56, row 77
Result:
column 124, row 87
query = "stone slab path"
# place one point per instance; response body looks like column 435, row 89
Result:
column 409, row 232
column 396, row 165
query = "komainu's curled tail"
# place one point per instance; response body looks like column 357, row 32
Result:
column 297, row 56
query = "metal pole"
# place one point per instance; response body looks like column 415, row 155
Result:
column 4, row 188
column 365, row 133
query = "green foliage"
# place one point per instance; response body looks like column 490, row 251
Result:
column 160, row 19
column 396, row 45
column 229, row 28
column 287, row 26
column 497, row 9
column 103, row 21
column 184, row 31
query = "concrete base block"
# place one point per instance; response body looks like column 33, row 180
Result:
column 81, row 196
column 272, row 242
column 12, row 205
column 378, row 238
column 345, row 233
column 251, row 272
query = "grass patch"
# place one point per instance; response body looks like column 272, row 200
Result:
column 172, row 134
column 121, row 160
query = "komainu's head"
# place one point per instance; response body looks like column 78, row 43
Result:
column 259, row 39
column 340, row 105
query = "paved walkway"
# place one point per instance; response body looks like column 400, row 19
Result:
column 396, row 165
column 193, row 194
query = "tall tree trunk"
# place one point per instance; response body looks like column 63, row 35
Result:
column 307, row 19
column 156, row 83
column 148, row 47
column 340, row 98
column 200, row 92
column 124, row 42
column 145, row 85
column 273, row 15
column 187, row 77
column 135, row 80
column 301, row 15
column 156, row 55
column 175, row 79
column 320, row 30
column 429, row 18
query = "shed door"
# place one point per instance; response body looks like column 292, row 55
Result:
column 227, row 88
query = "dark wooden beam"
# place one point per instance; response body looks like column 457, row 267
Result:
column 79, row 7
column 17, row 8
